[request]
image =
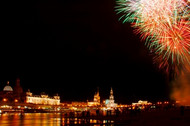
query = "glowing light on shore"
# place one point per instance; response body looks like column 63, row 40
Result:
column 4, row 99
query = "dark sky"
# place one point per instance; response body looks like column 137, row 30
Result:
column 71, row 47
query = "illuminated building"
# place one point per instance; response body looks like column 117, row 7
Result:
column 96, row 101
column 11, row 95
column 8, row 95
column 110, row 102
column 97, row 97
column 19, row 95
column 79, row 104
column 42, row 99
column 8, row 88
column 140, row 102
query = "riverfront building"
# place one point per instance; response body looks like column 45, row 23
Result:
column 11, row 95
column 42, row 99
column 96, row 101
column 110, row 104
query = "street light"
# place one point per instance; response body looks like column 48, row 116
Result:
column 4, row 99
column 16, row 100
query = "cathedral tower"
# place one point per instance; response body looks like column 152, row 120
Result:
column 97, row 97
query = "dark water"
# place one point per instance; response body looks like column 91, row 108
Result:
column 47, row 119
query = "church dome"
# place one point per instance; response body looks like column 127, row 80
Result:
column 7, row 87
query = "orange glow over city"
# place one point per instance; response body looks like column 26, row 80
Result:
column 181, row 87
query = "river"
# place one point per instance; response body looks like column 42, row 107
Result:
column 46, row 119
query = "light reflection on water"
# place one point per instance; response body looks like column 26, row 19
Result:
column 46, row 119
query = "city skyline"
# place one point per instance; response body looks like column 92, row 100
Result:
column 103, row 94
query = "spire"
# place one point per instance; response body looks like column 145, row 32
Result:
column 97, row 90
column 111, row 94
column 111, row 91
column 7, row 82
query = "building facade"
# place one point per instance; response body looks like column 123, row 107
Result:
column 110, row 103
column 96, row 101
column 42, row 99
column 11, row 95
column 140, row 103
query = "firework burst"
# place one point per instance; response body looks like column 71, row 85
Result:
column 163, row 25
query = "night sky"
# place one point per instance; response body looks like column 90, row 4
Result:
column 71, row 47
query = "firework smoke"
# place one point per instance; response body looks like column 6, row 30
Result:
column 181, row 89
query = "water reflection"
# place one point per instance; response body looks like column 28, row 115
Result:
column 47, row 119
